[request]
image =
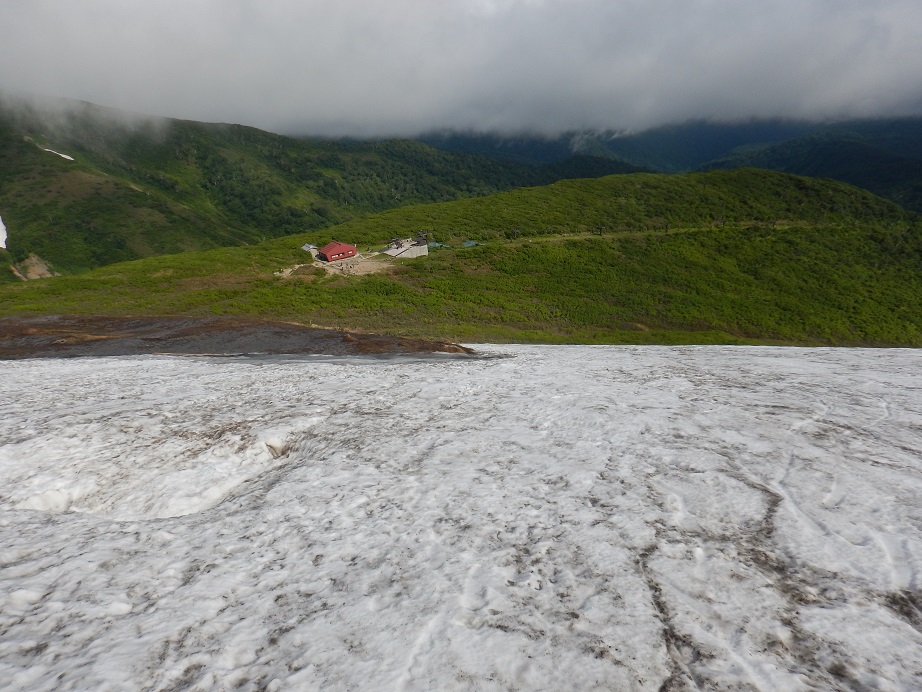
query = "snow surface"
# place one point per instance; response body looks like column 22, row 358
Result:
column 63, row 156
column 567, row 518
column 2, row 233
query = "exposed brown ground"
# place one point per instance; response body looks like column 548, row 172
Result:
column 71, row 336
column 358, row 268
column 361, row 264
column 33, row 267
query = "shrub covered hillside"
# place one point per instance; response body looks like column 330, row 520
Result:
column 883, row 155
column 732, row 257
column 635, row 203
column 841, row 156
column 139, row 186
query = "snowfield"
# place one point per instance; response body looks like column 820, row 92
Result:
column 565, row 518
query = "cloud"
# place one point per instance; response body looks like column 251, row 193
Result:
column 363, row 67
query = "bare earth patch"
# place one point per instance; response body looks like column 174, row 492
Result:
column 33, row 267
column 72, row 336
column 360, row 265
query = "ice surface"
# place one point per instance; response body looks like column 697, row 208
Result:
column 63, row 156
column 569, row 518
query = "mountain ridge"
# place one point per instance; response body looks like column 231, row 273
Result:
column 885, row 148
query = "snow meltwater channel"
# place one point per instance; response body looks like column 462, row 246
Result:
column 566, row 518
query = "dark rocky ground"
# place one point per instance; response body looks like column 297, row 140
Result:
column 73, row 336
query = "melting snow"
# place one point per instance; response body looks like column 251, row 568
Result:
column 569, row 518
column 63, row 156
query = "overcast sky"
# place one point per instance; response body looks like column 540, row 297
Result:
column 399, row 67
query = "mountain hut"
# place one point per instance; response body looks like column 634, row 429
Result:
column 336, row 251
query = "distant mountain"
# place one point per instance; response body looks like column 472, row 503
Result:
column 684, row 147
column 531, row 149
column 667, row 149
column 881, row 155
column 131, row 186
column 900, row 136
column 842, row 156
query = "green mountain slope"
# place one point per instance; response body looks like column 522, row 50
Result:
column 637, row 202
column 684, row 147
column 668, row 149
column 841, row 157
column 139, row 186
column 880, row 155
column 899, row 136
column 734, row 257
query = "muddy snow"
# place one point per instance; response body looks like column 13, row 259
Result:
column 563, row 518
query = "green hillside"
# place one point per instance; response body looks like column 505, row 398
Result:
column 842, row 156
column 141, row 186
column 880, row 155
column 685, row 146
column 6, row 274
column 637, row 202
column 668, row 149
column 733, row 257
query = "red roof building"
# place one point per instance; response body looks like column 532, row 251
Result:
column 337, row 251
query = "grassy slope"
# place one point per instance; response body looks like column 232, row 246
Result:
column 6, row 273
column 726, row 256
column 141, row 187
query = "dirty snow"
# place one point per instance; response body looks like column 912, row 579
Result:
column 566, row 518
column 2, row 234
column 63, row 156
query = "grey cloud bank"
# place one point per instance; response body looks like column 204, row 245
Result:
column 402, row 67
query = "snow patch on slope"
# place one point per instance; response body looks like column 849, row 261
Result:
column 63, row 156
column 2, row 234
column 571, row 518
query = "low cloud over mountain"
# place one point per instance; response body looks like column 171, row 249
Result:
column 406, row 66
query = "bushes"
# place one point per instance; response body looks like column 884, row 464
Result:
column 796, row 285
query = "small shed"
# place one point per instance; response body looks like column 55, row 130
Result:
column 336, row 251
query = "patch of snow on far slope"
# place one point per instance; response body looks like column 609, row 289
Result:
column 2, row 234
column 63, row 156
column 570, row 518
